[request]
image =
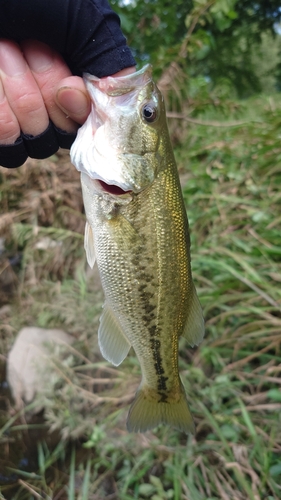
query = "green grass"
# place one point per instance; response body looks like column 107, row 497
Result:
column 233, row 199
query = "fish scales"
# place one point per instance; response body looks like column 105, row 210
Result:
column 140, row 240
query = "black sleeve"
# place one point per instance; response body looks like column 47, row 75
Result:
column 85, row 32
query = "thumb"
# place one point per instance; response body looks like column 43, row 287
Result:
column 73, row 99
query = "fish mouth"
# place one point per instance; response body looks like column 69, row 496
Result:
column 112, row 188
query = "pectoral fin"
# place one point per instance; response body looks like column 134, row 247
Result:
column 113, row 344
column 124, row 231
column 89, row 245
column 194, row 329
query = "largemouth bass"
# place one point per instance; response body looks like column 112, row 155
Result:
column 137, row 232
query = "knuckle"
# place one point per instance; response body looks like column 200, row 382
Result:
column 9, row 128
column 27, row 104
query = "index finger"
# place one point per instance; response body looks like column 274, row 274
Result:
column 48, row 69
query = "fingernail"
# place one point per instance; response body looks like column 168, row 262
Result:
column 12, row 62
column 73, row 101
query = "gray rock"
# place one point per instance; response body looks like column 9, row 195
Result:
column 28, row 361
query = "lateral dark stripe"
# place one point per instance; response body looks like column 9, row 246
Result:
column 161, row 379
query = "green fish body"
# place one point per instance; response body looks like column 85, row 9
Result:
column 137, row 232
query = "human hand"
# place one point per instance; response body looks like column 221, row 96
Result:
column 88, row 37
column 37, row 86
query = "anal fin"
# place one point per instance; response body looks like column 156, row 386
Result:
column 114, row 345
column 194, row 329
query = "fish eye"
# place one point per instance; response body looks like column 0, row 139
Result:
column 149, row 112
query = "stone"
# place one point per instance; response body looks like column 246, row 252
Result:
column 27, row 361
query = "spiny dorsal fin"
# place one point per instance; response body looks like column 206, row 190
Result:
column 89, row 245
column 113, row 344
column 194, row 329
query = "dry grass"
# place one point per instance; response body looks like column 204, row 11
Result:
column 232, row 192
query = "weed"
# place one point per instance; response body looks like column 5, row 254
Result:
column 231, row 184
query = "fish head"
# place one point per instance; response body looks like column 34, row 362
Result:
column 119, row 143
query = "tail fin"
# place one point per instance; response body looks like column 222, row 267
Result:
column 145, row 414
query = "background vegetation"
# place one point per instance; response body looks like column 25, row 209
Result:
column 218, row 65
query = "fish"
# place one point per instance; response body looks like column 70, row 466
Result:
column 137, row 232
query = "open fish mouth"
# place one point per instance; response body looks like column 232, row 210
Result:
column 108, row 187
column 112, row 188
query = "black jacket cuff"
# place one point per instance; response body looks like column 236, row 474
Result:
column 40, row 146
